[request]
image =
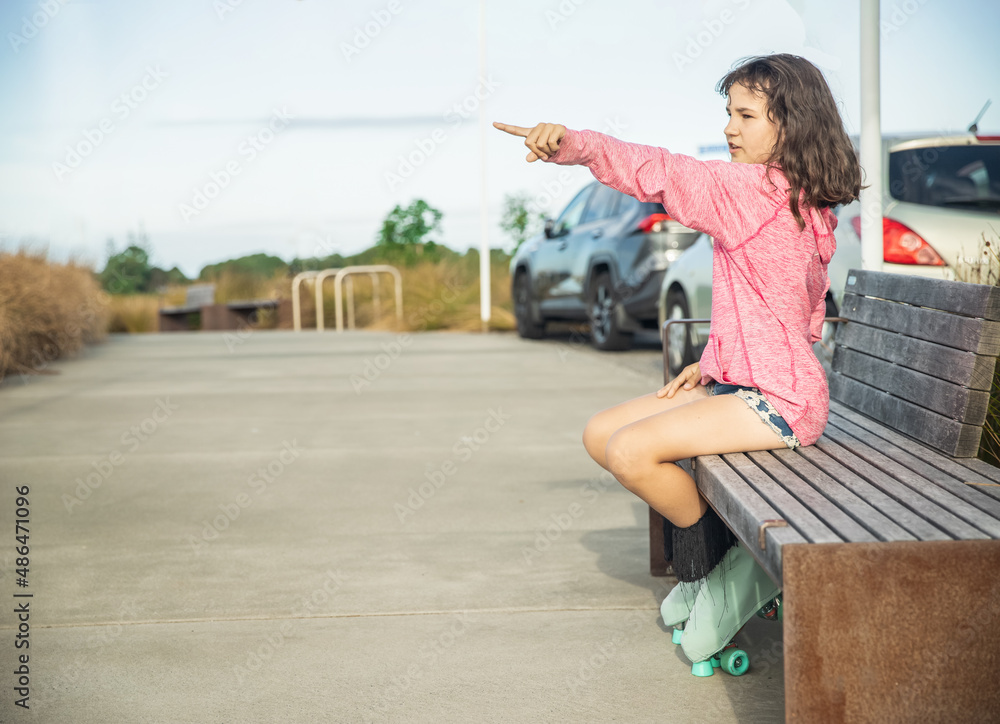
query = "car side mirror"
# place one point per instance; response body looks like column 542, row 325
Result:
column 549, row 228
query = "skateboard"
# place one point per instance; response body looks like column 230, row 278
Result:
column 730, row 658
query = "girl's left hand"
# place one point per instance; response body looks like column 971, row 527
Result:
column 543, row 139
column 689, row 377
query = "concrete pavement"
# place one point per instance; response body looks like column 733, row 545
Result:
column 270, row 526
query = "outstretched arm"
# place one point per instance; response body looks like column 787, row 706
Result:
column 723, row 199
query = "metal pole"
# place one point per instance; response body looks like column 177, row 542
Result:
column 871, row 138
column 484, row 242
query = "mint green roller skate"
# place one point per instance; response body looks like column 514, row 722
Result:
column 676, row 607
column 735, row 590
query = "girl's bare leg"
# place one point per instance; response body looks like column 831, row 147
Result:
column 607, row 422
column 642, row 454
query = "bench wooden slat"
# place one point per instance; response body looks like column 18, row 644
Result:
column 964, row 368
column 842, row 524
column 944, row 490
column 926, row 498
column 949, row 472
column 875, row 524
column 973, row 300
column 892, row 488
column 982, row 469
column 949, row 436
column 900, row 523
column 940, row 396
column 742, row 509
column 798, row 516
column 968, row 333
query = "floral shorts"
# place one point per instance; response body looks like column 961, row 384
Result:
column 759, row 404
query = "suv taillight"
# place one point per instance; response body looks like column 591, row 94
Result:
column 902, row 245
column 653, row 222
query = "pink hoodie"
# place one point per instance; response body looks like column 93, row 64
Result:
column 769, row 279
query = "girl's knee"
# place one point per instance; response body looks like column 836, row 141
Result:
column 625, row 461
column 595, row 437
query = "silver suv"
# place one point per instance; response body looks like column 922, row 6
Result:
column 601, row 260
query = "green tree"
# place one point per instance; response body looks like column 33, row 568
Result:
column 258, row 265
column 518, row 221
column 402, row 238
column 128, row 271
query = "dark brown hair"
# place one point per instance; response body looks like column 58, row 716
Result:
column 812, row 148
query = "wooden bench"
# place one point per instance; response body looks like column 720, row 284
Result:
column 885, row 534
column 200, row 311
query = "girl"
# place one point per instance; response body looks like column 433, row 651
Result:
column 758, row 385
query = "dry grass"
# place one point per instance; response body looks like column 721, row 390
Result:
column 987, row 271
column 47, row 311
column 135, row 313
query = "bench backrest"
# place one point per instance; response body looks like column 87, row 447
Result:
column 199, row 295
column 918, row 355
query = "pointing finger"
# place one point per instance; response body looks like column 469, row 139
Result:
column 512, row 130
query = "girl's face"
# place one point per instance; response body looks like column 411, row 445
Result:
column 750, row 133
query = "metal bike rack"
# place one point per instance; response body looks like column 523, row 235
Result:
column 296, row 303
column 340, row 274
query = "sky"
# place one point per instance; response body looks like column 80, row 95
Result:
column 293, row 127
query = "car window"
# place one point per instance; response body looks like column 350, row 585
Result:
column 601, row 204
column 948, row 176
column 571, row 215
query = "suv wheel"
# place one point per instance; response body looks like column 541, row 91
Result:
column 604, row 331
column 526, row 326
column 679, row 335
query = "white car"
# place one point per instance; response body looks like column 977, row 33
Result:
column 941, row 203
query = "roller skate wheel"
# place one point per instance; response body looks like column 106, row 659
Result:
column 735, row 661
column 676, row 635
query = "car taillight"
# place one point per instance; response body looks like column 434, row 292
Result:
column 653, row 222
column 902, row 245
